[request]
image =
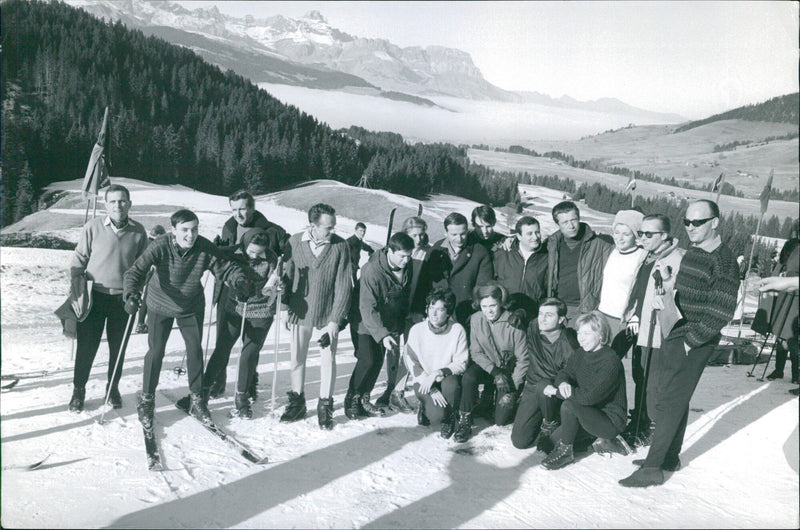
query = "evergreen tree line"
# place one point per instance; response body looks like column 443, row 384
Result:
column 783, row 109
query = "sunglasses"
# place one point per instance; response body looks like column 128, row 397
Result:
column 696, row 222
column 648, row 235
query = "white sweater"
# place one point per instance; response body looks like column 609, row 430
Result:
column 427, row 351
column 618, row 278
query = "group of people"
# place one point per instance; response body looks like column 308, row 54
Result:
column 540, row 324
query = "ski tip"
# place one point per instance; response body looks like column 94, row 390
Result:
column 263, row 461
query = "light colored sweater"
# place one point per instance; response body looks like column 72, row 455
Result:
column 105, row 254
column 427, row 351
column 618, row 277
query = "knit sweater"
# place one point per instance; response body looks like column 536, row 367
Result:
column 427, row 351
column 498, row 344
column 598, row 380
column 105, row 255
column 706, row 289
column 258, row 270
column 175, row 288
column 319, row 287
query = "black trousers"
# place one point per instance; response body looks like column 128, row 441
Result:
column 474, row 376
column 575, row 416
column 673, row 378
column 781, row 354
column 159, row 329
column 369, row 355
column 229, row 327
column 108, row 311
column 450, row 387
column 534, row 407
column 638, row 366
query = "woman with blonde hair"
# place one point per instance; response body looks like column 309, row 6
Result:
column 592, row 385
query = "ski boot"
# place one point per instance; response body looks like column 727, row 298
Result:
column 464, row 427
column 217, row 388
column 383, row 401
column 199, row 408
column 543, row 442
column 351, row 408
column 365, row 408
column 560, row 456
column 449, row 422
column 252, row 388
column 145, row 408
column 611, row 445
column 77, row 399
column 398, row 403
column 325, row 413
column 114, row 397
column 775, row 374
column 296, row 409
column 422, row 418
column 242, row 408
column 141, row 328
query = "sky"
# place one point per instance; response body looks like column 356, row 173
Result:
column 689, row 58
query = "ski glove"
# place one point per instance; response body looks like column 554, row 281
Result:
column 503, row 383
column 132, row 302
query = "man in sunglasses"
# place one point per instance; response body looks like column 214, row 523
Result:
column 705, row 296
column 663, row 255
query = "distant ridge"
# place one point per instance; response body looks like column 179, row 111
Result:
column 781, row 109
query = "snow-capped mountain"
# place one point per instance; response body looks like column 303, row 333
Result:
column 310, row 52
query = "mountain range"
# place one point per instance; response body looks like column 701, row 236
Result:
column 309, row 52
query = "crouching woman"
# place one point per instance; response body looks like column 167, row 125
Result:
column 592, row 385
column 436, row 354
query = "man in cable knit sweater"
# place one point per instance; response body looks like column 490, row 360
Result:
column 705, row 295
column 106, row 248
column 319, row 279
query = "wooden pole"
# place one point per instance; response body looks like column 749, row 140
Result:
column 747, row 276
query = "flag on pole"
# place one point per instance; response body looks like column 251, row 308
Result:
column 717, row 186
column 764, row 197
column 97, row 172
column 631, row 184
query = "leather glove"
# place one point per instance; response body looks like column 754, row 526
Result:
column 503, row 384
column 132, row 302
column 243, row 289
column 218, row 240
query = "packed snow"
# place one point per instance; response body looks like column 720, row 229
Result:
column 740, row 456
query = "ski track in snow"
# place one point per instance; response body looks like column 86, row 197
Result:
column 739, row 456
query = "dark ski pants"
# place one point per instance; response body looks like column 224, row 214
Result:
column 781, row 354
column 673, row 378
column 229, row 326
column 638, row 367
column 474, row 376
column 534, row 407
column 369, row 355
column 450, row 387
column 159, row 328
column 108, row 311
column 575, row 416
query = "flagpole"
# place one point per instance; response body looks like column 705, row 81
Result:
column 719, row 191
column 747, row 277
column 94, row 206
column 86, row 217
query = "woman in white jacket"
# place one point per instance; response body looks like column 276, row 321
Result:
column 436, row 353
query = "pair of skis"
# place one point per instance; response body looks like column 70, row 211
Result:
column 391, row 222
column 154, row 456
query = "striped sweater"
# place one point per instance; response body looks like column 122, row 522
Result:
column 176, row 288
column 706, row 289
column 319, row 287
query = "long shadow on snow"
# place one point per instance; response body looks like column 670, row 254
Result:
column 234, row 503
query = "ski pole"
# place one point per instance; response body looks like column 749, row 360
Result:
column 771, row 351
column 758, row 357
column 659, row 289
column 208, row 331
column 120, row 354
column 239, row 362
column 279, row 270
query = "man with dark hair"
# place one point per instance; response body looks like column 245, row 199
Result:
column 550, row 345
column 107, row 247
column 522, row 269
column 383, row 304
column 175, row 292
column 319, row 287
column 244, row 219
column 459, row 265
column 704, row 297
column 483, row 233
column 356, row 244
column 577, row 256
column 662, row 253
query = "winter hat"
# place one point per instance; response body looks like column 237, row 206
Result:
column 249, row 235
column 630, row 218
column 157, row 231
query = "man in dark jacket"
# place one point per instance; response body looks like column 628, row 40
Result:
column 522, row 269
column 483, row 233
column 704, row 298
column 577, row 256
column 459, row 265
column 356, row 244
column 244, row 219
column 550, row 345
column 383, row 304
